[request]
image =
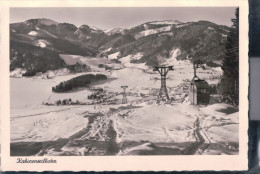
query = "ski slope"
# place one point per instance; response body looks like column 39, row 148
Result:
column 140, row 127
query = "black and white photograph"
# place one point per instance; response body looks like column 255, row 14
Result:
column 124, row 81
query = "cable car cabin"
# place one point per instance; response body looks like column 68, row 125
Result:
column 199, row 92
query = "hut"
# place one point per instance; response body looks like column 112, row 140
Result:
column 199, row 92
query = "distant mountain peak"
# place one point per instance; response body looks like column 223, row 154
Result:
column 84, row 26
column 94, row 28
column 89, row 27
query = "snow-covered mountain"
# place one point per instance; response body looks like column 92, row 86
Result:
column 155, row 40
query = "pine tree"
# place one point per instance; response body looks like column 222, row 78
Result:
column 229, row 85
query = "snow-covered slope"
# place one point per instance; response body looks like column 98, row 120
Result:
column 166, row 22
column 33, row 33
column 18, row 72
column 152, row 31
column 139, row 127
column 115, row 30
column 114, row 55
column 42, row 43
column 155, row 123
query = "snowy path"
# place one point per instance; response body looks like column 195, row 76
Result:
column 198, row 134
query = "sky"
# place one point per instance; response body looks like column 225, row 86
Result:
column 127, row 17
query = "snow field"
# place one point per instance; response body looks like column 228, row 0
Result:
column 45, row 127
column 39, row 90
column 143, row 122
column 155, row 123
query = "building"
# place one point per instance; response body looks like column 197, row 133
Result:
column 199, row 92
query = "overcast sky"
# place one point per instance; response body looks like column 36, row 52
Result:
column 112, row 17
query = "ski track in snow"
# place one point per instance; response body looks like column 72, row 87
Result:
column 102, row 127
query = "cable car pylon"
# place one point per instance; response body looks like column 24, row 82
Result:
column 124, row 99
column 163, row 70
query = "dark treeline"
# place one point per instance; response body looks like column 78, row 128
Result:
column 80, row 81
column 229, row 84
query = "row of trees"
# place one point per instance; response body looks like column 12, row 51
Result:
column 229, row 84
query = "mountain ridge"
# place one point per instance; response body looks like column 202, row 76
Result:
column 154, row 39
